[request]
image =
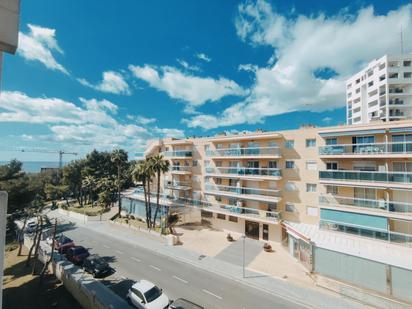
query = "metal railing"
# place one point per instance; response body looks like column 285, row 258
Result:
column 170, row 201
column 178, row 153
column 248, row 151
column 390, row 206
column 242, row 190
column 370, row 148
column 180, row 168
column 372, row 176
column 178, row 184
column 244, row 171
column 365, row 231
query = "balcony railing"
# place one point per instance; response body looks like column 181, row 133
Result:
column 170, row 201
column 244, row 171
column 180, row 168
column 366, row 176
column 178, row 185
column 178, row 153
column 239, row 152
column 366, row 149
column 389, row 206
column 242, row 190
column 365, row 231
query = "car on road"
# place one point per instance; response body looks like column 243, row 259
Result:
column 31, row 227
column 182, row 303
column 61, row 244
column 97, row 266
column 146, row 295
column 77, row 254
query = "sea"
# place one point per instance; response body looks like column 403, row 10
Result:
column 35, row 166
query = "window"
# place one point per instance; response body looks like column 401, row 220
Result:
column 206, row 214
column 334, row 190
column 290, row 164
column 207, row 148
column 311, row 211
column 195, row 162
column 310, row 187
column 311, row 142
column 273, row 164
column 289, row 144
column 207, row 163
column 311, row 165
column 370, row 84
column 218, row 181
column 407, row 63
column 331, row 141
column 357, row 90
column 407, row 74
column 331, row 165
column 290, row 207
column 221, row 216
column 233, row 219
column 290, row 186
column 218, row 163
column 272, row 206
column 218, row 198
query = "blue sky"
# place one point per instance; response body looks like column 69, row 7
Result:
column 96, row 74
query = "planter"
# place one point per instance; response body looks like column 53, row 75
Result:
column 267, row 247
column 229, row 238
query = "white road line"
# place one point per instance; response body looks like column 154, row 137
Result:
column 154, row 267
column 135, row 259
column 106, row 246
column 210, row 293
column 180, row 279
column 117, row 251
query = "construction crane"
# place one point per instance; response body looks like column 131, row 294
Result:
column 60, row 152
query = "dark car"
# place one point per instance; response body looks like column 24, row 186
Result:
column 97, row 266
column 61, row 244
column 182, row 303
column 77, row 254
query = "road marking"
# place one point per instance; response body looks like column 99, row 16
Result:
column 106, row 246
column 180, row 279
column 135, row 259
column 117, row 251
column 210, row 293
column 154, row 267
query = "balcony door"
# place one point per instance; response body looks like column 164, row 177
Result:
column 402, row 143
column 364, row 197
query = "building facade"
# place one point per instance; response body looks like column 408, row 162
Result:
column 381, row 91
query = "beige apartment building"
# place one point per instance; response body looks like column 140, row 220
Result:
column 272, row 185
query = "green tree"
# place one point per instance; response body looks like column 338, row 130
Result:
column 119, row 159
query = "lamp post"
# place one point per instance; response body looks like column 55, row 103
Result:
column 244, row 253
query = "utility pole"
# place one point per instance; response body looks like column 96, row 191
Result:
column 244, row 253
column 401, row 39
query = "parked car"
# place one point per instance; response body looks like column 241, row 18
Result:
column 96, row 266
column 61, row 244
column 182, row 303
column 31, row 227
column 77, row 254
column 145, row 295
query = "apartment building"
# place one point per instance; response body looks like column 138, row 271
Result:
column 381, row 91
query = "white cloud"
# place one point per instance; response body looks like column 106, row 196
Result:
column 203, row 57
column 141, row 119
column 247, row 67
column 192, row 89
column 38, row 45
column 327, row 119
column 303, row 45
column 112, row 82
column 187, row 66
column 92, row 124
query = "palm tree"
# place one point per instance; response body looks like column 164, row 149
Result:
column 89, row 182
column 139, row 174
column 118, row 157
column 148, row 167
column 159, row 165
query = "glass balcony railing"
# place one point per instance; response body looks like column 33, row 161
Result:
column 247, row 212
column 178, row 185
column 242, row 190
column 178, row 153
column 365, row 149
column 390, row 206
column 179, row 168
column 244, row 171
column 367, row 176
column 364, row 231
column 239, row 152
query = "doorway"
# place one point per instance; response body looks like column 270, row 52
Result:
column 265, row 232
column 252, row 229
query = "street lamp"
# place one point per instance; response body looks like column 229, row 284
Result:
column 244, row 253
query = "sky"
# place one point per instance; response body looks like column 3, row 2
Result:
column 103, row 75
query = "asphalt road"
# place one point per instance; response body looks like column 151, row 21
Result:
column 177, row 279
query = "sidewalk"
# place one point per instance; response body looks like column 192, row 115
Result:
column 312, row 298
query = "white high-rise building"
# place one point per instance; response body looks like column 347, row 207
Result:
column 381, row 91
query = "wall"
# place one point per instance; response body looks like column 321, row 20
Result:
column 3, row 221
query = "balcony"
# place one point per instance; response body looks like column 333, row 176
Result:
column 178, row 185
column 262, row 195
column 393, row 149
column 250, row 152
column 178, row 154
column 367, row 178
column 178, row 169
column 244, row 172
column 368, row 204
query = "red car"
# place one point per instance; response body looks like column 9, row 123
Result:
column 77, row 254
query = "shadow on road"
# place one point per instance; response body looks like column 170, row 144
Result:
column 120, row 287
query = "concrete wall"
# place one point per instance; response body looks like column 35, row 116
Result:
column 3, row 223
column 9, row 25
